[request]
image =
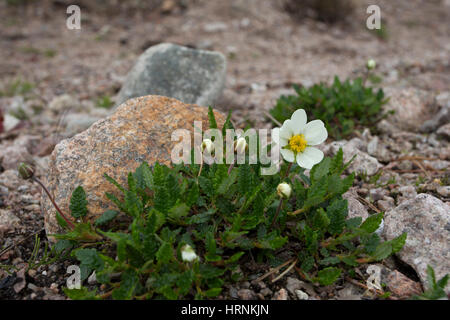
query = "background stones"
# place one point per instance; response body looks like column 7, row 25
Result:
column 192, row 76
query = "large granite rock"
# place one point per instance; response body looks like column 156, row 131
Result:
column 412, row 107
column 426, row 220
column 191, row 76
column 139, row 130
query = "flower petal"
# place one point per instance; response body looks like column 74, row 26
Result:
column 298, row 120
column 285, row 130
column 315, row 132
column 308, row 158
column 288, row 155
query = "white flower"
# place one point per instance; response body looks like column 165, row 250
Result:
column 241, row 145
column 208, row 145
column 284, row 190
column 371, row 64
column 296, row 138
column 188, row 254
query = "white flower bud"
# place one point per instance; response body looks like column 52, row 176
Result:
column 188, row 254
column 371, row 64
column 241, row 145
column 284, row 190
column 208, row 145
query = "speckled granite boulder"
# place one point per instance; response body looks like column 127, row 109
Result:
column 412, row 107
column 189, row 75
column 139, row 130
column 426, row 220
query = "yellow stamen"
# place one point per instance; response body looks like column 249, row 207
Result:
column 297, row 143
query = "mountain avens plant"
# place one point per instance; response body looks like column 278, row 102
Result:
column 192, row 232
column 343, row 106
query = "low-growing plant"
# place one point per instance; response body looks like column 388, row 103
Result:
column 193, row 226
column 16, row 87
column 105, row 102
column 436, row 289
column 343, row 106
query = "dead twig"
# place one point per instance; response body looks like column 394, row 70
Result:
column 276, row 269
column 285, row 271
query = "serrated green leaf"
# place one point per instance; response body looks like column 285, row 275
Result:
column 78, row 203
column 372, row 223
column 106, row 217
column 165, row 253
column 328, row 276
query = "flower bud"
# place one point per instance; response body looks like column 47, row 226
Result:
column 371, row 64
column 284, row 190
column 188, row 254
column 25, row 171
column 208, row 145
column 241, row 145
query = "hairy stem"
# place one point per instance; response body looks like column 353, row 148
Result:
column 54, row 203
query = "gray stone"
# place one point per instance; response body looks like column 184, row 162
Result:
column 362, row 162
column 444, row 131
column 189, row 75
column 9, row 122
column 64, row 102
column 246, row 294
column 408, row 191
column 355, row 208
column 443, row 191
column 411, row 107
column 426, row 220
column 301, row 295
column 441, row 117
column 8, row 220
column 12, row 156
column 293, row 284
column 78, row 122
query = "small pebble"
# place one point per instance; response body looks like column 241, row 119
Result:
column 301, row 295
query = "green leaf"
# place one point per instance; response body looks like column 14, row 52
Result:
column 316, row 193
column 398, row 242
column 61, row 222
column 382, row 251
column 214, row 292
column 337, row 211
column 330, row 261
column 78, row 203
column 106, row 217
column 321, row 169
column 372, row 223
column 328, row 276
column 353, row 223
column 165, row 253
column 184, row 281
column 212, row 118
column 209, row 272
column 80, row 294
column 129, row 283
column 179, row 211
column 89, row 261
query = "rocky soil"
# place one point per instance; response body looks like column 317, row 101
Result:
column 56, row 82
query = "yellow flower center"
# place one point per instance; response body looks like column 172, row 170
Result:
column 297, row 143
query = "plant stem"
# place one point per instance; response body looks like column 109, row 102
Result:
column 287, row 171
column 277, row 213
column 201, row 165
column 230, row 167
column 54, row 203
